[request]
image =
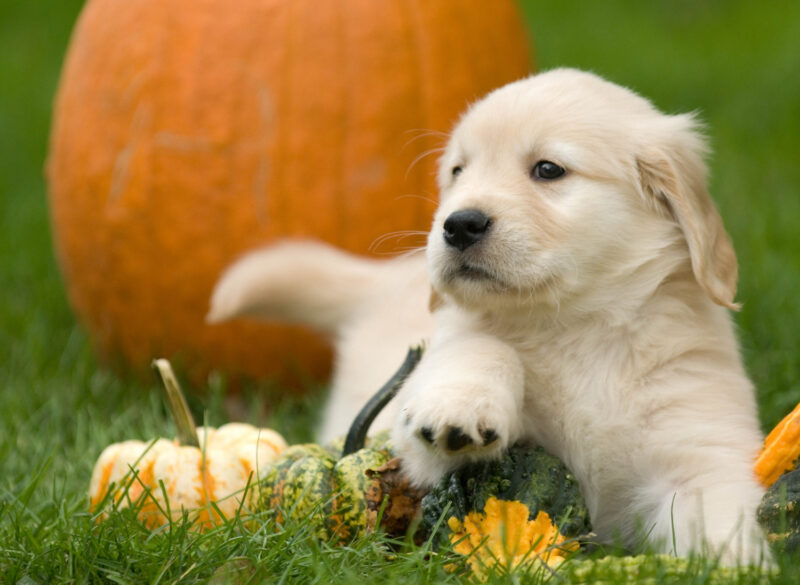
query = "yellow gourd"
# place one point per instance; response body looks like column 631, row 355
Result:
column 504, row 535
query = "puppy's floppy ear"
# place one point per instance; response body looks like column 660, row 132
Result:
column 673, row 172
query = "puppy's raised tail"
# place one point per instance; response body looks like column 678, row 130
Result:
column 304, row 282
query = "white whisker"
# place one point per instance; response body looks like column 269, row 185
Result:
column 421, row 156
column 398, row 235
column 443, row 136
column 402, row 252
column 415, row 196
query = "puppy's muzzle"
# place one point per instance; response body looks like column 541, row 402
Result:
column 466, row 227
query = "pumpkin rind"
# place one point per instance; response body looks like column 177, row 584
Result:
column 779, row 513
column 282, row 484
column 348, row 517
column 309, row 483
column 527, row 475
column 185, row 133
column 304, row 491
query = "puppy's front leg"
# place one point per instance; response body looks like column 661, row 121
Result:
column 462, row 403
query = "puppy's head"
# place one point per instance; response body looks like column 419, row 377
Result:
column 562, row 184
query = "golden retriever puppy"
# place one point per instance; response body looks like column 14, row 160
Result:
column 581, row 282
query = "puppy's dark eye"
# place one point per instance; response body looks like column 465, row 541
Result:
column 544, row 169
column 456, row 170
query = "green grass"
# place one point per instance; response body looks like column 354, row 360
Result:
column 735, row 62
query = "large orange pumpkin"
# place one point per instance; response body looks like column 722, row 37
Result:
column 188, row 131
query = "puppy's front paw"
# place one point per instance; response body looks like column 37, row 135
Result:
column 441, row 430
column 452, row 437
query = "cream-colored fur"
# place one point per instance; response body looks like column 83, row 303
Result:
column 591, row 317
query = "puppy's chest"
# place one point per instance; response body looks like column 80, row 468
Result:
column 576, row 393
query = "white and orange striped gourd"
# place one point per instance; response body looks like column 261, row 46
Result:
column 167, row 478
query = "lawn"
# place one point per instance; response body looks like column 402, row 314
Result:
column 735, row 62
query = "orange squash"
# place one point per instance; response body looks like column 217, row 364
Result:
column 186, row 132
column 781, row 451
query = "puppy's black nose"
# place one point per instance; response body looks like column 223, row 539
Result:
column 466, row 227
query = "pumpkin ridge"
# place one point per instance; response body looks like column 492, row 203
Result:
column 414, row 33
column 247, row 469
column 142, row 479
column 341, row 192
column 207, row 481
column 102, row 485
column 280, row 204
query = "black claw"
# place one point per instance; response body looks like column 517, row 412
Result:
column 427, row 434
column 489, row 436
column 457, row 439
